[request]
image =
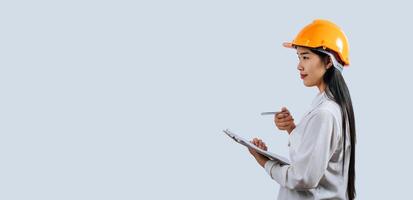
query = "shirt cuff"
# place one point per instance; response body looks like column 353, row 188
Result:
column 269, row 165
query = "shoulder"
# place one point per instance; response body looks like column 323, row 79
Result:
column 322, row 114
column 327, row 116
column 327, row 112
column 330, row 107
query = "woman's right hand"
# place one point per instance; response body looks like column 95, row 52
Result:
column 284, row 121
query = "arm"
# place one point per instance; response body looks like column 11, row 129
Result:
column 311, row 157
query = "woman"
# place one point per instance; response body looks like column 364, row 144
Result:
column 322, row 145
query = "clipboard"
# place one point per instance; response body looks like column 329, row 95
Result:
column 272, row 156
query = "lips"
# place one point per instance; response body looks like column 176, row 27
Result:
column 303, row 76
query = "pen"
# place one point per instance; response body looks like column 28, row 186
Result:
column 270, row 113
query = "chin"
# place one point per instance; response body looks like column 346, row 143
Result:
column 308, row 84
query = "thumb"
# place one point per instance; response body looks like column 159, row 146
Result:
column 284, row 110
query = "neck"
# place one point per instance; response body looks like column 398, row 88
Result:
column 322, row 86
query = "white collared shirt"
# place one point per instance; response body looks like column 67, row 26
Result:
column 316, row 155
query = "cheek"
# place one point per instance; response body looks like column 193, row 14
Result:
column 317, row 72
column 310, row 79
column 314, row 76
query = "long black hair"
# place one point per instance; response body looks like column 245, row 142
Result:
column 337, row 91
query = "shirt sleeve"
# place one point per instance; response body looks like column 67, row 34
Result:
column 311, row 157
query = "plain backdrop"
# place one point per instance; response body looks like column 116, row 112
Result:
column 128, row 99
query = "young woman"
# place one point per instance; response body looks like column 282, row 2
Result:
column 322, row 145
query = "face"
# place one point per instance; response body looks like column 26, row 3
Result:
column 311, row 68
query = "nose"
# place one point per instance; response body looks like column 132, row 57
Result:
column 300, row 66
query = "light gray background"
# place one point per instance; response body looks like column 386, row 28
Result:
column 127, row 100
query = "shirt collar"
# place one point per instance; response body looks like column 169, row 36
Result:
column 320, row 98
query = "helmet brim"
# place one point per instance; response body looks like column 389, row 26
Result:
column 288, row 45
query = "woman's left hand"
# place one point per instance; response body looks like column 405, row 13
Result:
column 260, row 158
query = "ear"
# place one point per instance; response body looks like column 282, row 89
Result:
column 329, row 64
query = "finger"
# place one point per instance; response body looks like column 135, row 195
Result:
column 283, row 124
column 282, row 127
column 287, row 121
column 288, row 118
column 281, row 115
column 277, row 114
column 264, row 146
column 256, row 142
column 253, row 142
column 260, row 145
column 285, row 111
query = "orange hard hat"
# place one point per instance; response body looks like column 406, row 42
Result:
column 323, row 34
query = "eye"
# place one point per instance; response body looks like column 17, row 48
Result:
column 303, row 57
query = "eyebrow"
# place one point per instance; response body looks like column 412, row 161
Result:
column 303, row 53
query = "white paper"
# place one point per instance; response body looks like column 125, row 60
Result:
column 270, row 155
